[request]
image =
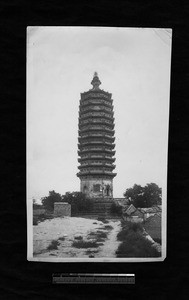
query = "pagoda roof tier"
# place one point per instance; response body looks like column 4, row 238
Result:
column 96, row 156
column 96, row 128
column 96, row 169
column 98, row 173
column 96, row 162
column 95, row 108
column 101, row 141
column 96, row 143
column 94, row 121
column 96, row 149
column 95, row 114
column 95, row 176
column 93, row 164
column 95, row 140
column 88, row 134
column 96, row 94
column 96, row 135
column 89, row 128
column 95, row 101
column 91, row 124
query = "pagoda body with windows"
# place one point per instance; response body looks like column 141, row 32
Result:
column 96, row 142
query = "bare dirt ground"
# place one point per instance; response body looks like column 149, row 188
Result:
column 65, row 231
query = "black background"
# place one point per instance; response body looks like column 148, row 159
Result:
column 21, row 279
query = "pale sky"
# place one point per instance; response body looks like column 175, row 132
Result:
column 134, row 65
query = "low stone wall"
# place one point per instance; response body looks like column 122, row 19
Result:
column 37, row 212
column 62, row 209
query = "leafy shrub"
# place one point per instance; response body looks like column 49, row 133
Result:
column 147, row 196
column 48, row 202
column 35, row 222
column 42, row 217
column 132, row 226
column 79, row 202
column 37, row 206
column 122, row 235
column 82, row 205
column 129, row 228
column 134, row 244
column 115, row 209
column 135, row 227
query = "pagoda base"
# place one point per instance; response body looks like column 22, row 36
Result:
column 97, row 187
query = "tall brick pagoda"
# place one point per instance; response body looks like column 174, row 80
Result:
column 96, row 143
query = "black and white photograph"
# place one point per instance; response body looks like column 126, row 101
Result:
column 97, row 143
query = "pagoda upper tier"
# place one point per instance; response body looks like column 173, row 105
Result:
column 96, row 147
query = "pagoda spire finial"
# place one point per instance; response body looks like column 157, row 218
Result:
column 95, row 82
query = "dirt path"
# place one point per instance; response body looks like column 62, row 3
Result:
column 67, row 230
column 111, row 244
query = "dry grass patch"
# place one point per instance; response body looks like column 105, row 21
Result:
column 102, row 234
column 103, row 220
column 85, row 244
column 98, row 235
column 78, row 237
column 88, row 252
column 108, row 227
column 53, row 245
column 92, row 233
column 62, row 238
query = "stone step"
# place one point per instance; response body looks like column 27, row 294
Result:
column 94, row 213
column 101, row 207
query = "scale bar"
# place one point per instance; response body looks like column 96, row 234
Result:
column 81, row 278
